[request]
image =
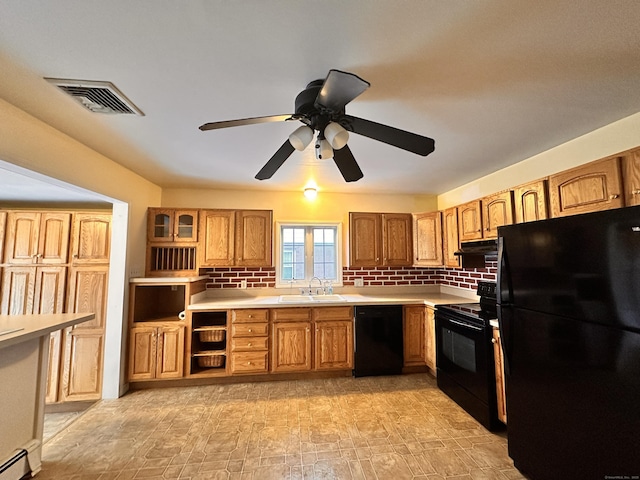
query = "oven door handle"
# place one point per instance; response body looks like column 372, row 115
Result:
column 465, row 325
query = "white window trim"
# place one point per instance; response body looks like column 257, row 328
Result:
column 278, row 253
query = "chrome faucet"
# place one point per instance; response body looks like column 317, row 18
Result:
column 317, row 289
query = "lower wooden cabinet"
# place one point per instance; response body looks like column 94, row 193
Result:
column 156, row 351
column 500, row 383
column 249, row 341
column 333, row 344
column 430, row 338
column 414, row 335
column 291, row 347
column 82, row 362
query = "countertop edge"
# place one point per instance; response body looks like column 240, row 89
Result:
column 37, row 325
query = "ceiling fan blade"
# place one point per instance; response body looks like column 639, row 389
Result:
column 338, row 89
column 276, row 161
column 411, row 142
column 245, row 121
column 347, row 164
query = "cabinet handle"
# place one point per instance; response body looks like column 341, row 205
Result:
column 249, row 344
column 250, row 316
column 614, row 196
column 635, row 192
column 248, row 363
column 487, row 229
column 250, row 330
column 493, row 340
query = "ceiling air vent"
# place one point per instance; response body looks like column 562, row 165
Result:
column 99, row 97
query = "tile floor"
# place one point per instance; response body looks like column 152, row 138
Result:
column 374, row 428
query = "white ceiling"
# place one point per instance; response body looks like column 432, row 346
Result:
column 493, row 82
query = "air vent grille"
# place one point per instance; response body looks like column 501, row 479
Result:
column 99, row 97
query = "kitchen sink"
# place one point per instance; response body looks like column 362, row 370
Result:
column 311, row 298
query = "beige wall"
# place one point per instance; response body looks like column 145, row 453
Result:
column 609, row 140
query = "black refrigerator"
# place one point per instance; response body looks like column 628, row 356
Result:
column 569, row 314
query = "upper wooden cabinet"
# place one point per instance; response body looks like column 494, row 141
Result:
column 588, row 188
column 530, row 201
column 450, row 238
column 378, row 239
column 497, row 210
column 253, row 238
column 172, row 225
column 427, row 239
column 37, row 238
column 470, row 221
column 91, row 238
column 631, row 175
column 235, row 237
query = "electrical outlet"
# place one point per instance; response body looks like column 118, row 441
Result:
column 358, row 282
column 243, row 284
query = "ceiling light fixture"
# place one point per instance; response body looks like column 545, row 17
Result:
column 310, row 193
column 301, row 137
column 336, row 135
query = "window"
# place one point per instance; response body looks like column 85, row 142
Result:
column 307, row 251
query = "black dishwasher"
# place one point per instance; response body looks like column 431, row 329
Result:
column 378, row 340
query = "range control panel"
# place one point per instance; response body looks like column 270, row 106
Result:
column 487, row 289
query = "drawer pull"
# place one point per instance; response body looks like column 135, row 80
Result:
column 249, row 344
column 636, row 192
column 250, row 330
column 614, row 196
column 248, row 363
column 250, row 316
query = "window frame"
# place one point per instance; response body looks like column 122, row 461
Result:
column 280, row 283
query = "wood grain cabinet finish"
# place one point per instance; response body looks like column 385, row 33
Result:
column 631, row 176
column 37, row 238
column 236, row 238
column 291, row 347
column 497, row 210
column 333, row 338
column 427, row 239
column 172, row 225
column 414, row 335
column 530, row 201
column 380, row 239
column 470, row 221
column 430, row 339
column 588, row 188
column 500, row 380
column 156, row 352
column 249, row 341
column 3, row 224
column 91, row 238
column 450, row 237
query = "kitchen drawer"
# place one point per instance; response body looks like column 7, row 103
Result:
column 249, row 362
column 250, row 315
column 333, row 313
column 249, row 329
column 247, row 344
column 290, row 314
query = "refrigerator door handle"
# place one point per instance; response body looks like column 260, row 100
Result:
column 504, row 294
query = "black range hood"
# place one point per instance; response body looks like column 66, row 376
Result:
column 473, row 254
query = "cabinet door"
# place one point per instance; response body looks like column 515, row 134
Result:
column 589, row 188
column 3, row 224
column 23, row 232
column 217, row 229
column 53, row 244
column 291, row 347
column 450, row 239
column 365, row 234
column 88, row 294
column 430, row 338
column 82, row 365
column 631, row 176
column 500, row 382
column 18, row 290
column 413, row 331
column 53, row 367
column 497, row 210
column 185, row 225
column 91, row 238
column 397, row 239
column 170, row 352
column 333, row 345
column 253, row 238
column 160, row 225
column 530, row 201
column 427, row 239
column 49, row 294
column 142, row 353
column 470, row 221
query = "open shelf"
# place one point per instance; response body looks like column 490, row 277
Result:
column 155, row 303
column 208, row 343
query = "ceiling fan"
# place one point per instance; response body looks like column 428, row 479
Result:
column 321, row 107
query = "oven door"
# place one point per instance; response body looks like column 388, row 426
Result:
column 462, row 353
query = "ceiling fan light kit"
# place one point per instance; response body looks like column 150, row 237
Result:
column 321, row 107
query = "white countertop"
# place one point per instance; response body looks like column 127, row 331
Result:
column 20, row 328
column 272, row 301
column 168, row 280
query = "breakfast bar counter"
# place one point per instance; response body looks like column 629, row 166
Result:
column 24, row 353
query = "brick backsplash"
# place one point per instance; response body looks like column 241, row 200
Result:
column 265, row 277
